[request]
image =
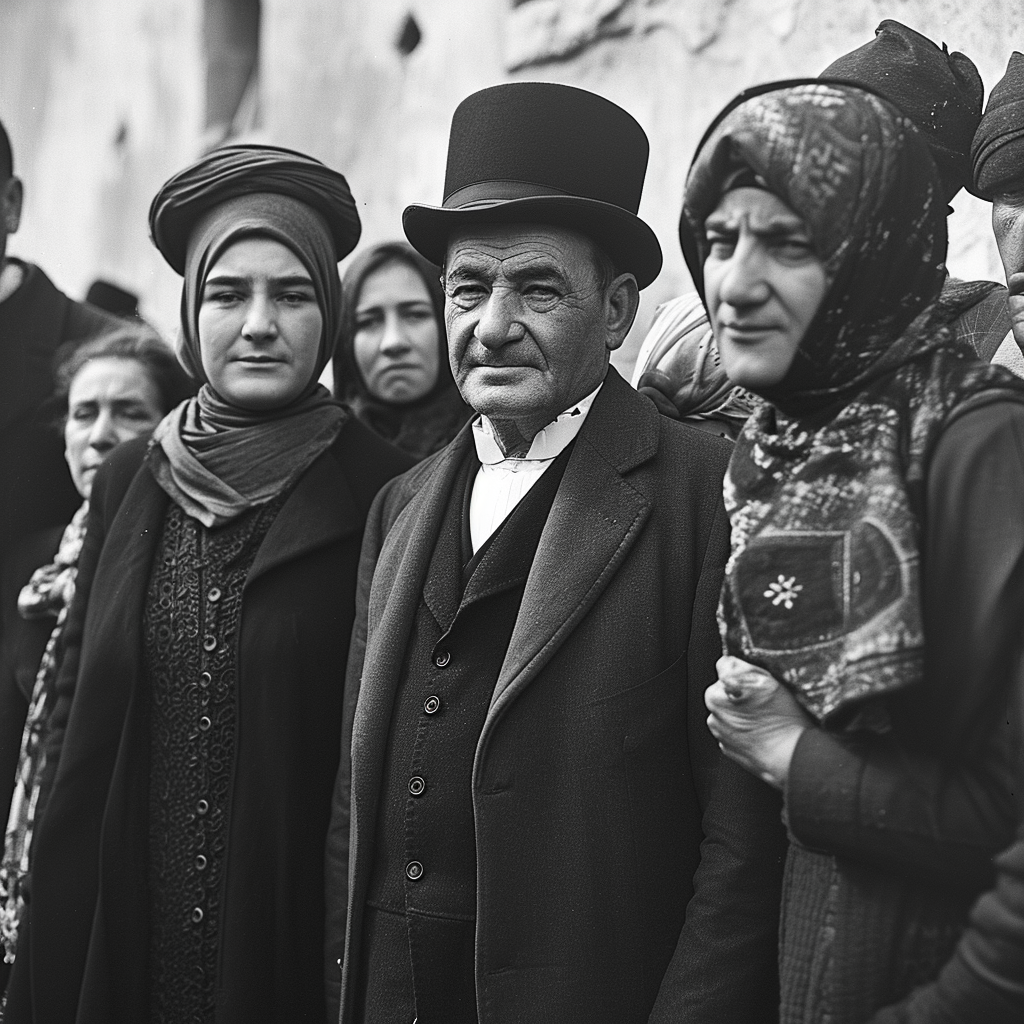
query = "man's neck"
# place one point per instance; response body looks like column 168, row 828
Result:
column 11, row 276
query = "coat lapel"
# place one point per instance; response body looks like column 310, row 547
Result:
column 320, row 510
column 595, row 519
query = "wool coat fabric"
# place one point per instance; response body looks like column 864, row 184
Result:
column 626, row 871
column 35, row 485
column 88, row 941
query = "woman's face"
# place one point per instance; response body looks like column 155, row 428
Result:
column 763, row 282
column 259, row 325
column 110, row 400
column 397, row 348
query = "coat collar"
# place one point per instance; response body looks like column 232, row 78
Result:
column 595, row 519
column 321, row 509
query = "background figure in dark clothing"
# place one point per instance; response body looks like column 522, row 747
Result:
column 998, row 154
column 941, row 93
column 35, row 320
column 392, row 361
column 108, row 391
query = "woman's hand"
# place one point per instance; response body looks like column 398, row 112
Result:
column 756, row 721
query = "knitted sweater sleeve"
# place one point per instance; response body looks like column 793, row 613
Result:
column 934, row 795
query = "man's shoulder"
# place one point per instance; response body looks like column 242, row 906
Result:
column 402, row 489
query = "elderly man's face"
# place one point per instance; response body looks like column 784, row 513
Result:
column 1008, row 226
column 530, row 320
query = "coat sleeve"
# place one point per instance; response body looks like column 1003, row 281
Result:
column 336, row 852
column 934, row 795
column 724, row 966
column 984, row 981
column 70, row 649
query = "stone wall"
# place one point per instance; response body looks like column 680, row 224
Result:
column 105, row 98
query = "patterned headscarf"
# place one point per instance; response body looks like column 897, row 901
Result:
column 861, row 178
column 825, row 488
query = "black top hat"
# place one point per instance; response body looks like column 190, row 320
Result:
column 532, row 152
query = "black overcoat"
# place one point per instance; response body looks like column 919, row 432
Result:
column 626, row 870
column 88, row 941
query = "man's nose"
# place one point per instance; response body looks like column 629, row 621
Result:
column 497, row 325
column 260, row 319
column 745, row 282
column 394, row 339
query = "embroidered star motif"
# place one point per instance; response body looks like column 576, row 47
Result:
column 784, row 591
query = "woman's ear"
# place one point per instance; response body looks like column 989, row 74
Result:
column 622, row 300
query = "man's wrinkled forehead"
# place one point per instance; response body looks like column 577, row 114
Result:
column 514, row 250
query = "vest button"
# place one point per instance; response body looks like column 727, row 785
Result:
column 432, row 705
column 205, row 723
column 209, row 643
column 197, row 915
column 205, row 679
column 414, row 871
column 214, row 595
column 202, row 807
column 417, row 786
column 442, row 658
column 200, row 863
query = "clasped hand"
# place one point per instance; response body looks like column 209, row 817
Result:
column 755, row 719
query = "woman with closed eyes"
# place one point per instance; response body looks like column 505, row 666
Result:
column 178, row 873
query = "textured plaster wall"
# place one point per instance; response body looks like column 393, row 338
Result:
column 334, row 82
column 102, row 100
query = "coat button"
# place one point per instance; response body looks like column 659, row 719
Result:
column 442, row 658
column 414, row 871
column 209, row 643
column 202, row 807
column 197, row 915
column 432, row 705
column 204, row 723
column 200, row 863
column 213, row 595
column 417, row 786
column 205, row 679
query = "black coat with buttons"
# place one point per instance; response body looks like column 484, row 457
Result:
column 626, row 871
column 88, row 940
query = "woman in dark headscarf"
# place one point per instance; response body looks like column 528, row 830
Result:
column 178, row 872
column 392, row 366
column 872, row 605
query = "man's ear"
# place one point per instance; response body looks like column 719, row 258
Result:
column 622, row 300
column 11, row 195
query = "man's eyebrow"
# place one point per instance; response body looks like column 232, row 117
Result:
column 468, row 269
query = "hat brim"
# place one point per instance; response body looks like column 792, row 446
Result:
column 631, row 244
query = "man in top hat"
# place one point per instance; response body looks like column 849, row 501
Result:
column 35, row 320
column 532, row 822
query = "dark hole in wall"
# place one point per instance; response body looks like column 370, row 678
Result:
column 409, row 37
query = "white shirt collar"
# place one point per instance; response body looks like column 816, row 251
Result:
column 549, row 443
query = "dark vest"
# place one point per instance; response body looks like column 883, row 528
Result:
column 420, row 919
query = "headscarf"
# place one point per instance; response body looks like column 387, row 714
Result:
column 998, row 148
column 216, row 460
column 420, row 427
column 857, row 172
column 48, row 593
column 941, row 92
column 681, row 369
column 826, row 486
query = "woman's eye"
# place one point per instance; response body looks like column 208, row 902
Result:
column 368, row 323
column 296, row 298
column 223, row 298
column 82, row 414
column 794, row 249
